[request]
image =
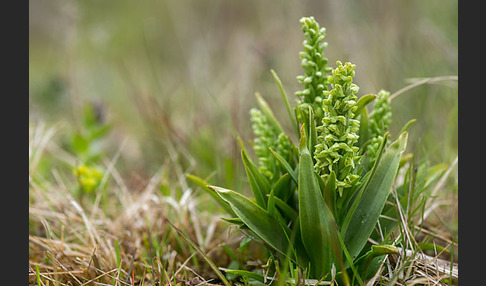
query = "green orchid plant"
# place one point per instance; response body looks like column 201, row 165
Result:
column 316, row 203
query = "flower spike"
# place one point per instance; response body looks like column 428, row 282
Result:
column 338, row 134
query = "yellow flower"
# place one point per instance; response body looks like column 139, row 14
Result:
column 88, row 177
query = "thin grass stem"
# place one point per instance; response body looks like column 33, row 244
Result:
column 423, row 81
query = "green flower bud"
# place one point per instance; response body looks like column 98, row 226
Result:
column 379, row 121
column 266, row 136
column 315, row 66
column 380, row 118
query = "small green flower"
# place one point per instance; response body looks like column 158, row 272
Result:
column 338, row 134
column 88, row 177
column 315, row 67
column 283, row 146
column 380, row 120
column 266, row 136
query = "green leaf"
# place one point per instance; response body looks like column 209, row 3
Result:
column 287, row 210
column 317, row 225
column 204, row 185
column 363, row 101
column 434, row 173
column 329, row 190
column 432, row 247
column 235, row 220
column 359, row 224
column 234, row 265
column 80, row 144
column 282, row 187
column 244, row 273
column 285, row 99
column 368, row 265
column 343, row 274
column 405, row 159
column 99, row 131
column 285, row 165
column 117, row 253
column 350, row 203
column 258, row 183
column 265, row 226
column 271, row 204
column 310, row 128
column 377, row 250
column 407, row 125
column 265, row 108
column 243, row 244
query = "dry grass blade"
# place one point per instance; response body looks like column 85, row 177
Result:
column 440, row 265
column 444, row 177
column 205, row 257
column 64, row 233
column 430, row 270
column 99, row 276
column 109, row 169
column 39, row 139
column 424, row 81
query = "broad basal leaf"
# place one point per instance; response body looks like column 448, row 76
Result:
column 267, row 227
column 317, row 225
column 360, row 223
column 203, row 184
column 258, row 183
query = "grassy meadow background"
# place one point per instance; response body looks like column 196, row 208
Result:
column 174, row 82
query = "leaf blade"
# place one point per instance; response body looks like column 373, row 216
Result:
column 363, row 220
column 204, row 185
column 265, row 108
column 285, row 165
column 363, row 101
column 317, row 224
column 258, row 183
column 285, row 99
column 267, row 227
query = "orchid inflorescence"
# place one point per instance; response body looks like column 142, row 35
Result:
column 316, row 203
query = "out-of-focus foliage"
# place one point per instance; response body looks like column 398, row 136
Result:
column 172, row 70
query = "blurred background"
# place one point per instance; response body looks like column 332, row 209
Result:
column 180, row 76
